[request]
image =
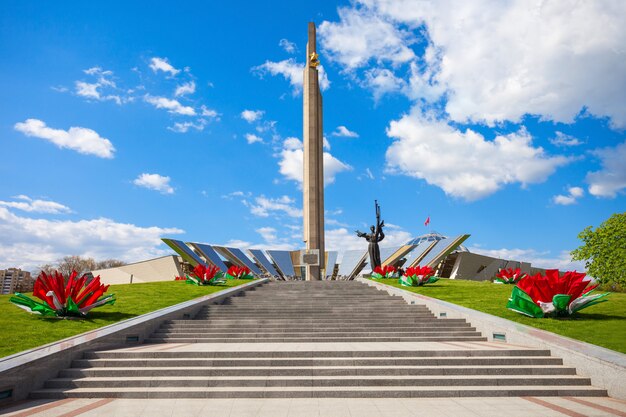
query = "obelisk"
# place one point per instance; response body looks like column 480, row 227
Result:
column 313, row 180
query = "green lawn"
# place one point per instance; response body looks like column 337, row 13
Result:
column 603, row 324
column 21, row 330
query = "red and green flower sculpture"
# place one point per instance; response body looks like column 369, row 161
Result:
column 204, row 275
column 386, row 271
column 239, row 272
column 417, row 276
column 508, row 276
column 74, row 298
column 553, row 294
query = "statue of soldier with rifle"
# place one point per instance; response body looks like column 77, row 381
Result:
column 373, row 238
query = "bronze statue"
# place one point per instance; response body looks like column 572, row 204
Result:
column 373, row 238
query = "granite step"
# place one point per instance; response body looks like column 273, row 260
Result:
column 322, row 392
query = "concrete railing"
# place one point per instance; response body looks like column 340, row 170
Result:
column 605, row 367
column 26, row 371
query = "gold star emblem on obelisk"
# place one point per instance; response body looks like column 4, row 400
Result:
column 314, row 60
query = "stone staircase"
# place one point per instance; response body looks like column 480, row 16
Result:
column 317, row 339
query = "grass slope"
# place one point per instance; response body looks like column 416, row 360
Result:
column 603, row 324
column 22, row 331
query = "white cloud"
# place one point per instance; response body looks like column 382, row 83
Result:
column 288, row 46
column 28, row 243
column 361, row 36
column 171, row 105
column 345, row 132
column 186, row 88
column 264, row 207
column 80, row 139
column 251, row 116
column 537, row 259
column 252, row 138
column 561, row 139
column 185, row 126
column 206, row 112
column 92, row 90
column 611, row 179
column 291, row 162
column 495, row 61
column 230, row 196
column 326, row 143
column 162, row 64
column 382, row 81
column 36, row 206
column 342, row 239
column 154, row 182
column 574, row 193
column 474, row 167
column 292, row 72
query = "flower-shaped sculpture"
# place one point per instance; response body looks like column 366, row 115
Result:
column 416, row 276
column 74, row 298
column 553, row 294
column 205, row 275
column 239, row 272
column 386, row 271
column 509, row 276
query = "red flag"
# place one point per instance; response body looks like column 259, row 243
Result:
column 427, row 222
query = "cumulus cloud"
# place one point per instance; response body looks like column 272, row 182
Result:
column 292, row 166
column 206, row 112
column 262, row 206
column 342, row 239
column 362, row 35
column 493, row 61
column 251, row 116
column 28, row 242
column 561, row 139
column 252, row 138
column 35, row 206
column 611, row 179
column 154, row 182
column 292, row 71
column 171, row 105
column 183, row 127
column 288, row 46
column 572, row 196
column 184, row 89
column 345, row 132
column 473, row 166
column 92, row 90
column 163, row 65
column 79, row 139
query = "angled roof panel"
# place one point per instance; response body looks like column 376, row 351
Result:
column 385, row 253
column 331, row 260
column 282, row 259
column 209, row 253
column 239, row 254
column 184, row 251
column 351, row 260
column 260, row 257
column 414, row 257
column 398, row 255
column 442, row 249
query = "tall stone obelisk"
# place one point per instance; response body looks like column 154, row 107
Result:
column 313, row 137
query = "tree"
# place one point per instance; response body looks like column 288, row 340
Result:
column 77, row 263
column 109, row 263
column 604, row 251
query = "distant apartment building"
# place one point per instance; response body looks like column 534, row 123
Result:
column 15, row 280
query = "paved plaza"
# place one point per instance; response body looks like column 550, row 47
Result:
column 331, row 407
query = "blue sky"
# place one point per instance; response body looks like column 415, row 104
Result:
column 121, row 123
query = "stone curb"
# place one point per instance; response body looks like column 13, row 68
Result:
column 26, row 371
column 605, row 367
